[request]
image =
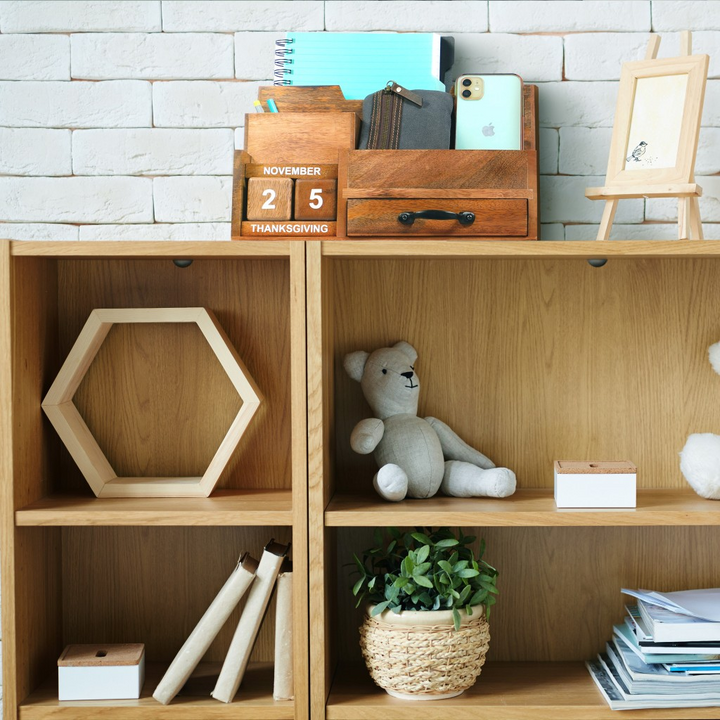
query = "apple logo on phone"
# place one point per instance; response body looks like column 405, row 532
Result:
column 488, row 130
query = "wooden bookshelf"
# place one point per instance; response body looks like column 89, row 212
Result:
column 525, row 350
column 532, row 355
column 80, row 569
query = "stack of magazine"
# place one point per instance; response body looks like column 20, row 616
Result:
column 665, row 655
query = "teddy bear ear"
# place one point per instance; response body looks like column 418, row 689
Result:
column 354, row 364
column 407, row 349
column 714, row 353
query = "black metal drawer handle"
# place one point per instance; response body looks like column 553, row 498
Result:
column 464, row 218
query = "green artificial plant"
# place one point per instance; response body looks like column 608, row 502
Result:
column 433, row 570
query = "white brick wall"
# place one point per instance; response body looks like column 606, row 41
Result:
column 118, row 118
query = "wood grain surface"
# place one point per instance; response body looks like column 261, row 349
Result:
column 153, row 584
column 492, row 217
column 144, row 373
column 193, row 703
column 314, row 99
column 504, row 691
column 559, row 587
column 299, row 454
column 246, row 249
column 528, row 507
column 536, row 360
column 269, row 198
column 305, row 199
column 495, row 248
column 30, row 556
column 300, row 137
column 502, row 169
column 224, row 507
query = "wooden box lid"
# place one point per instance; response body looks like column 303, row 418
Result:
column 599, row 467
column 101, row 655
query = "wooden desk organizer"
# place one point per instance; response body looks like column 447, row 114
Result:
column 389, row 192
column 284, row 152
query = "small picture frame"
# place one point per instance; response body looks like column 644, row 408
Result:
column 655, row 135
column 657, row 121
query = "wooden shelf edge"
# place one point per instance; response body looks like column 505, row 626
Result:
column 249, row 249
column 504, row 248
column 527, row 508
column 254, row 702
column 224, row 508
column 504, row 691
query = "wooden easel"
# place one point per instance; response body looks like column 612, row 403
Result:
column 687, row 193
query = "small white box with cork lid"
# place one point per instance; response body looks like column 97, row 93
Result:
column 101, row 672
column 607, row 484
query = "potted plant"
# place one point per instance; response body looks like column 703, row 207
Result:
column 425, row 633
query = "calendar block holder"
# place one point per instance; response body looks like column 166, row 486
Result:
column 245, row 168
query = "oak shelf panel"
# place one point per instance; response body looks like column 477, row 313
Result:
column 526, row 508
column 440, row 248
column 224, row 507
column 253, row 702
column 504, row 691
column 247, row 249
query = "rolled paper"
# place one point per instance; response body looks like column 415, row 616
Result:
column 236, row 661
column 283, row 688
column 200, row 639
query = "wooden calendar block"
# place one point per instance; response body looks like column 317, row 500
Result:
column 269, row 198
column 315, row 199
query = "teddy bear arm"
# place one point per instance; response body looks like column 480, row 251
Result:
column 367, row 435
column 454, row 448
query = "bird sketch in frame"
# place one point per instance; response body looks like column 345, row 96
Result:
column 656, row 127
column 657, row 121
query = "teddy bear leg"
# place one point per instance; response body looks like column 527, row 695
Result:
column 462, row 479
column 391, row 482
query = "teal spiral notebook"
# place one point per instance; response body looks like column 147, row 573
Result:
column 361, row 63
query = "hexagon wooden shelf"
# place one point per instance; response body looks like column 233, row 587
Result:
column 75, row 434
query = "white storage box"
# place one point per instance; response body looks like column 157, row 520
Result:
column 101, row 672
column 595, row 484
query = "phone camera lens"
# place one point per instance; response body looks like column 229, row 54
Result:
column 466, row 93
column 467, row 82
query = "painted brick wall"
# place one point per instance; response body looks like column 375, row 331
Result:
column 118, row 119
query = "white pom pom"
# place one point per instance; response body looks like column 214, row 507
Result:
column 700, row 464
column 714, row 353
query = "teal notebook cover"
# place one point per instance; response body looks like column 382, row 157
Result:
column 360, row 63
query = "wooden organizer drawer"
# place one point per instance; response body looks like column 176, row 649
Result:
column 499, row 186
column 493, row 217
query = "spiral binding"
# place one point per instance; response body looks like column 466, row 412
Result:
column 282, row 61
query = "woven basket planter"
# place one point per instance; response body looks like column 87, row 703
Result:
column 418, row 655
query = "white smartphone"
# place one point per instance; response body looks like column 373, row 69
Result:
column 489, row 112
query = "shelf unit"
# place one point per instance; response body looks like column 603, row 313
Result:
column 80, row 569
column 526, row 350
column 532, row 355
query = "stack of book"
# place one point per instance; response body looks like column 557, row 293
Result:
column 665, row 655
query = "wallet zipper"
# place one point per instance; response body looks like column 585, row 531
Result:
column 387, row 116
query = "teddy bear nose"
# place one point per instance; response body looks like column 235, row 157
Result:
column 407, row 375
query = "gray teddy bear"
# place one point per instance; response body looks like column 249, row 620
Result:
column 417, row 457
